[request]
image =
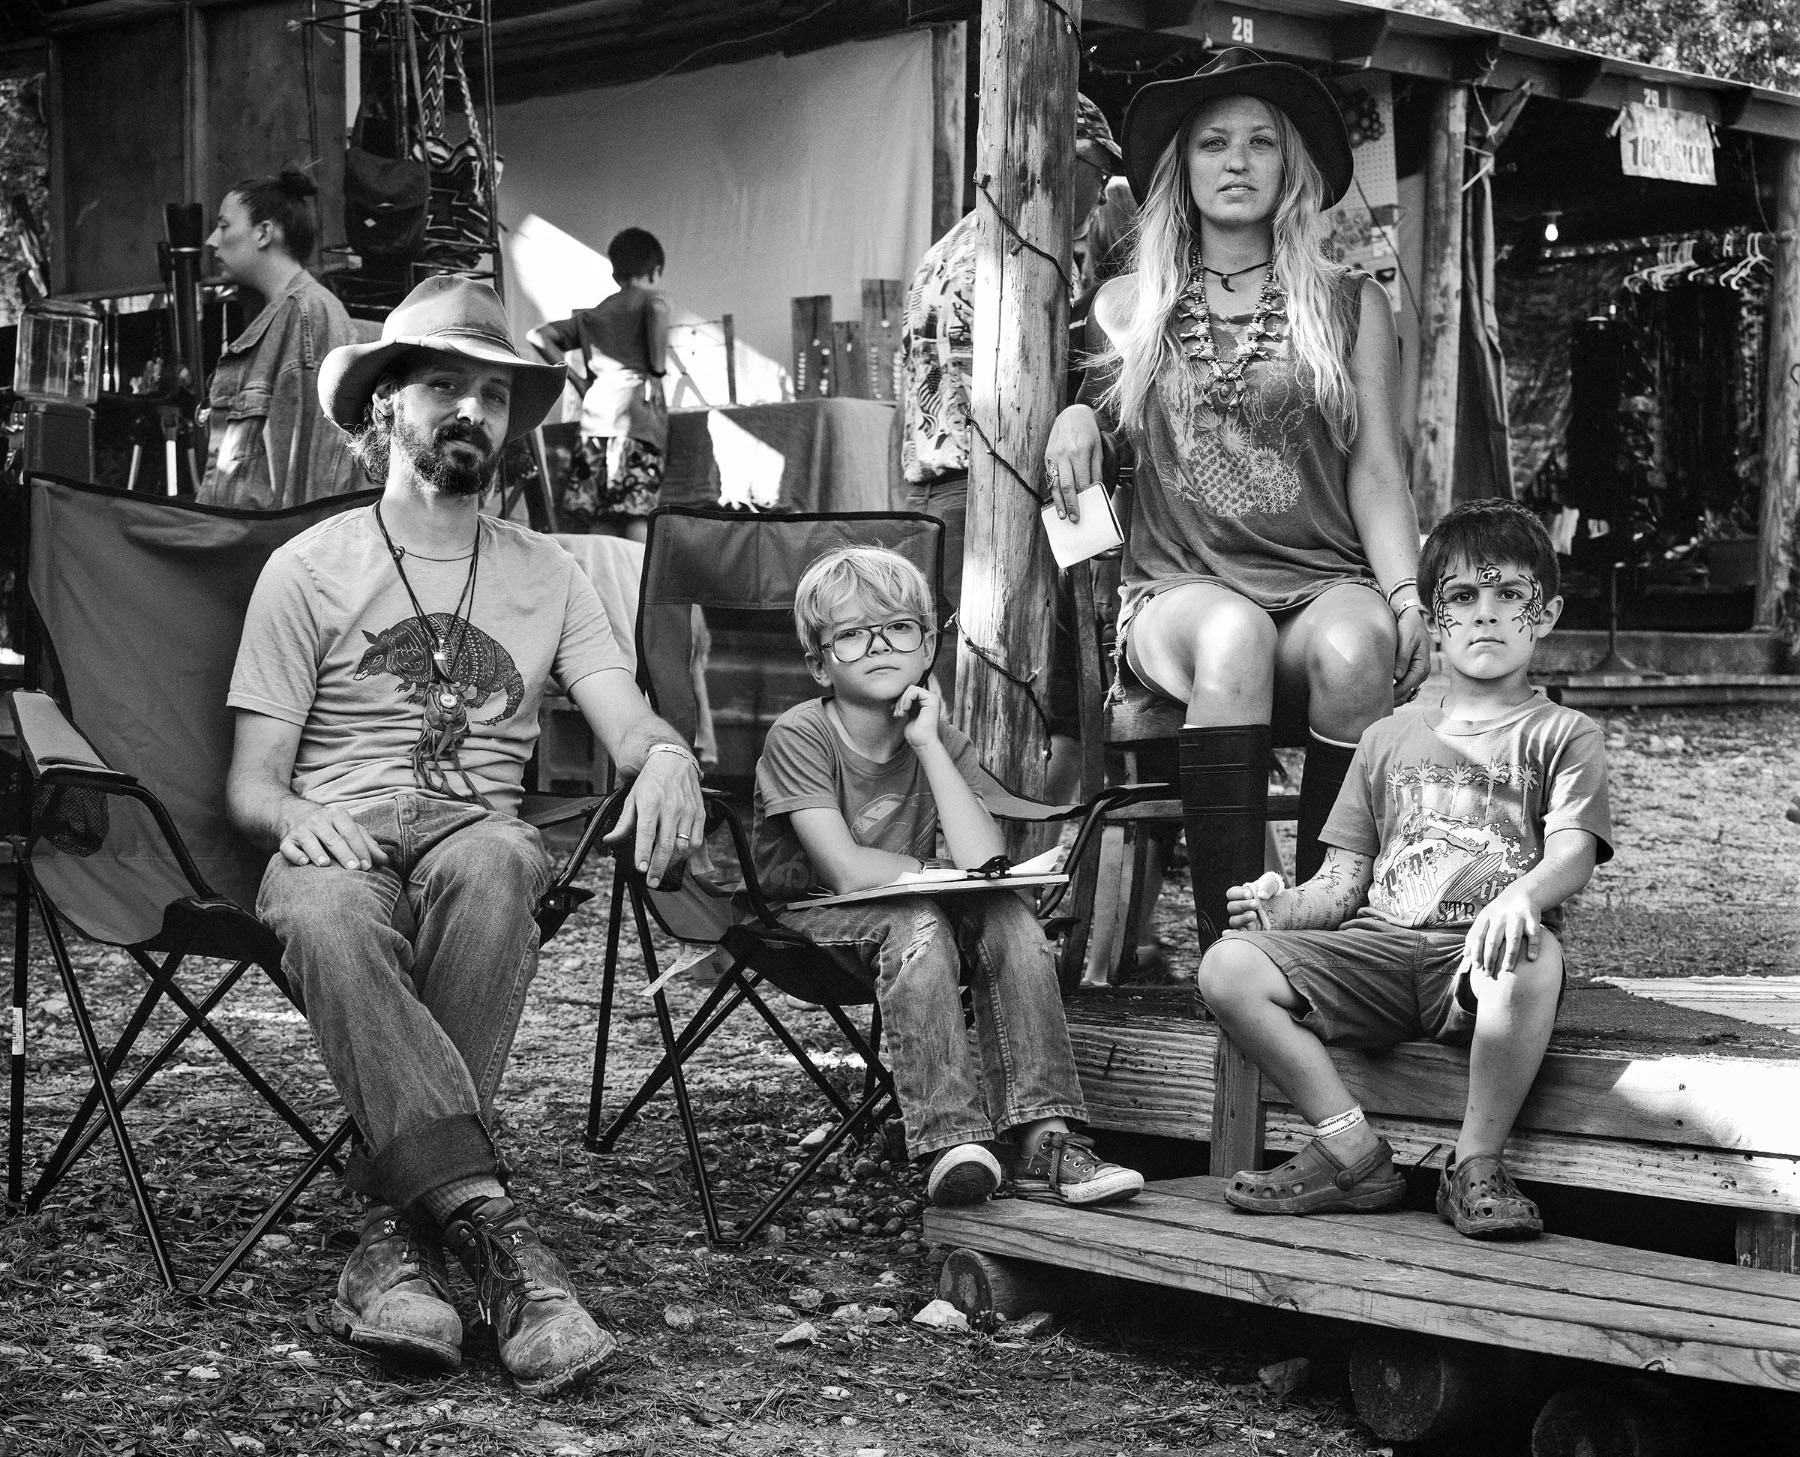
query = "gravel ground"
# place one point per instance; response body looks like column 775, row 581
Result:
column 96, row 1358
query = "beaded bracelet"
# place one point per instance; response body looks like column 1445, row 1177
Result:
column 1405, row 607
column 1403, row 582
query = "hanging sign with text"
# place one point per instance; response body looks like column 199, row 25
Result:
column 1659, row 141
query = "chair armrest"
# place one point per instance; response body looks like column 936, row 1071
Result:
column 51, row 743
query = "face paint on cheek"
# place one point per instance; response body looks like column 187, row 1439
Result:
column 1531, row 613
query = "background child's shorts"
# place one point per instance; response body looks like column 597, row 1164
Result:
column 1372, row 984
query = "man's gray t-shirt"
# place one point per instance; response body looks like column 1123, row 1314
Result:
column 806, row 764
column 1452, row 812
column 332, row 643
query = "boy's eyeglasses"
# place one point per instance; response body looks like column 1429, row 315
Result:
column 902, row 635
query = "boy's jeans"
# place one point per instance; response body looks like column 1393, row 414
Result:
column 908, row 948
column 414, row 1025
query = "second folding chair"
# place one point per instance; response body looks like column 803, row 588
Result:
column 733, row 577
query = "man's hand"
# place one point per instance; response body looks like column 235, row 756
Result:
column 327, row 834
column 1507, row 924
column 665, row 814
column 1412, row 655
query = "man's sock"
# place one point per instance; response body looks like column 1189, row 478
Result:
column 443, row 1201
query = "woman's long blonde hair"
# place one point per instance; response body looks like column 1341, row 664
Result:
column 1167, row 231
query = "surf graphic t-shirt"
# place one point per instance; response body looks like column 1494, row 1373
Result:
column 1454, row 812
column 806, row 764
column 332, row 643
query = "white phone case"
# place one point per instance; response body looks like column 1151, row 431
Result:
column 1095, row 532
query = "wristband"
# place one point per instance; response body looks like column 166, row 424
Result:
column 665, row 747
column 1403, row 582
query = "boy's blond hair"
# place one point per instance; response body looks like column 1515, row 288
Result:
column 871, row 576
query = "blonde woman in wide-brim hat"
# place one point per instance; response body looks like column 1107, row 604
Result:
column 1271, row 540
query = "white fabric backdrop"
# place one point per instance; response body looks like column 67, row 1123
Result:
column 763, row 181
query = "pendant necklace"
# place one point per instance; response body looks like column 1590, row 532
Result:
column 1225, row 278
column 1225, row 385
column 443, row 658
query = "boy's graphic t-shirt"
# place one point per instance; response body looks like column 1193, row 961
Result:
column 806, row 764
column 1454, row 812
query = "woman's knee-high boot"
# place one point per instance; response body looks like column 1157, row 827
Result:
column 1327, row 764
column 1224, row 801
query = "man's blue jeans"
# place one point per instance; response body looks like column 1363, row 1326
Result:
column 413, row 976
column 912, row 949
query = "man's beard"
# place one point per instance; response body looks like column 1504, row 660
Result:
column 437, row 467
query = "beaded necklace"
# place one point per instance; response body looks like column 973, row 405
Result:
column 1225, row 385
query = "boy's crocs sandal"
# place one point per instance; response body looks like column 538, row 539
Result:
column 1313, row 1182
column 1479, row 1197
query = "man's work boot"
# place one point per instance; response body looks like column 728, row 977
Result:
column 547, row 1340
column 393, row 1297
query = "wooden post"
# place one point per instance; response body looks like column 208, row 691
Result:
column 1026, row 146
column 988, row 1289
column 1781, row 411
column 1440, row 324
column 1237, row 1114
column 1768, row 1240
column 1637, row 1416
column 949, row 127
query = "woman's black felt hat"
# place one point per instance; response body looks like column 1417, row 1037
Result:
column 1157, row 112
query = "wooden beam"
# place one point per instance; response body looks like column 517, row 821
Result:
column 1356, row 41
column 949, row 124
column 1025, row 183
column 1781, row 407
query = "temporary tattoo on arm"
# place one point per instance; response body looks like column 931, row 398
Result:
column 1335, row 892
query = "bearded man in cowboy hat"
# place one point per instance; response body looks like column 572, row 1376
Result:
column 387, row 691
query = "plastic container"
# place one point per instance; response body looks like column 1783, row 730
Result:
column 59, row 353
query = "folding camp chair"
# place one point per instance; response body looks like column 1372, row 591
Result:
column 141, row 602
column 741, row 572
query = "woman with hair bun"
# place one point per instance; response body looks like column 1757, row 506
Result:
column 267, row 445
column 1272, row 539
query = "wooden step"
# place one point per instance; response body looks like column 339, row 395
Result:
column 1408, row 1271
column 1708, row 1130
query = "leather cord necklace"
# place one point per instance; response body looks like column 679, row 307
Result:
column 446, row 717
column 1225, row 278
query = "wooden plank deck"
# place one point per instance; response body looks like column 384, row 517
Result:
column 1768, row 1001
column 1407, row 1271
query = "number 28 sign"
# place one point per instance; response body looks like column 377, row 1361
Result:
column 1659, row 141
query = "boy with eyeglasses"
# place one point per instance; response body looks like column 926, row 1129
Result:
column 852, row 792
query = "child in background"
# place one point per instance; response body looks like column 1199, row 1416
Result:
column 1466, row 821
column 852, row 791
column 615, row 479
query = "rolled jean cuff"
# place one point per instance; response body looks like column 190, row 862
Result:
column 1011, row 1119
column 435, row 1153
column 929, row 1146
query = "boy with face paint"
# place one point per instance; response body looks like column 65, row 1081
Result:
column 1466, row 821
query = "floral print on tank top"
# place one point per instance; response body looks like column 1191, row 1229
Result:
column 1243, row 463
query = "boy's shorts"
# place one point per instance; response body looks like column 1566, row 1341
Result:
column 1372, row 984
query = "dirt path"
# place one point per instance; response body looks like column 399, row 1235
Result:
column 95, row 1358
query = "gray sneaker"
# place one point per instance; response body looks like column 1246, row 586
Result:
column 1065, row 1167
column 966, row 1174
